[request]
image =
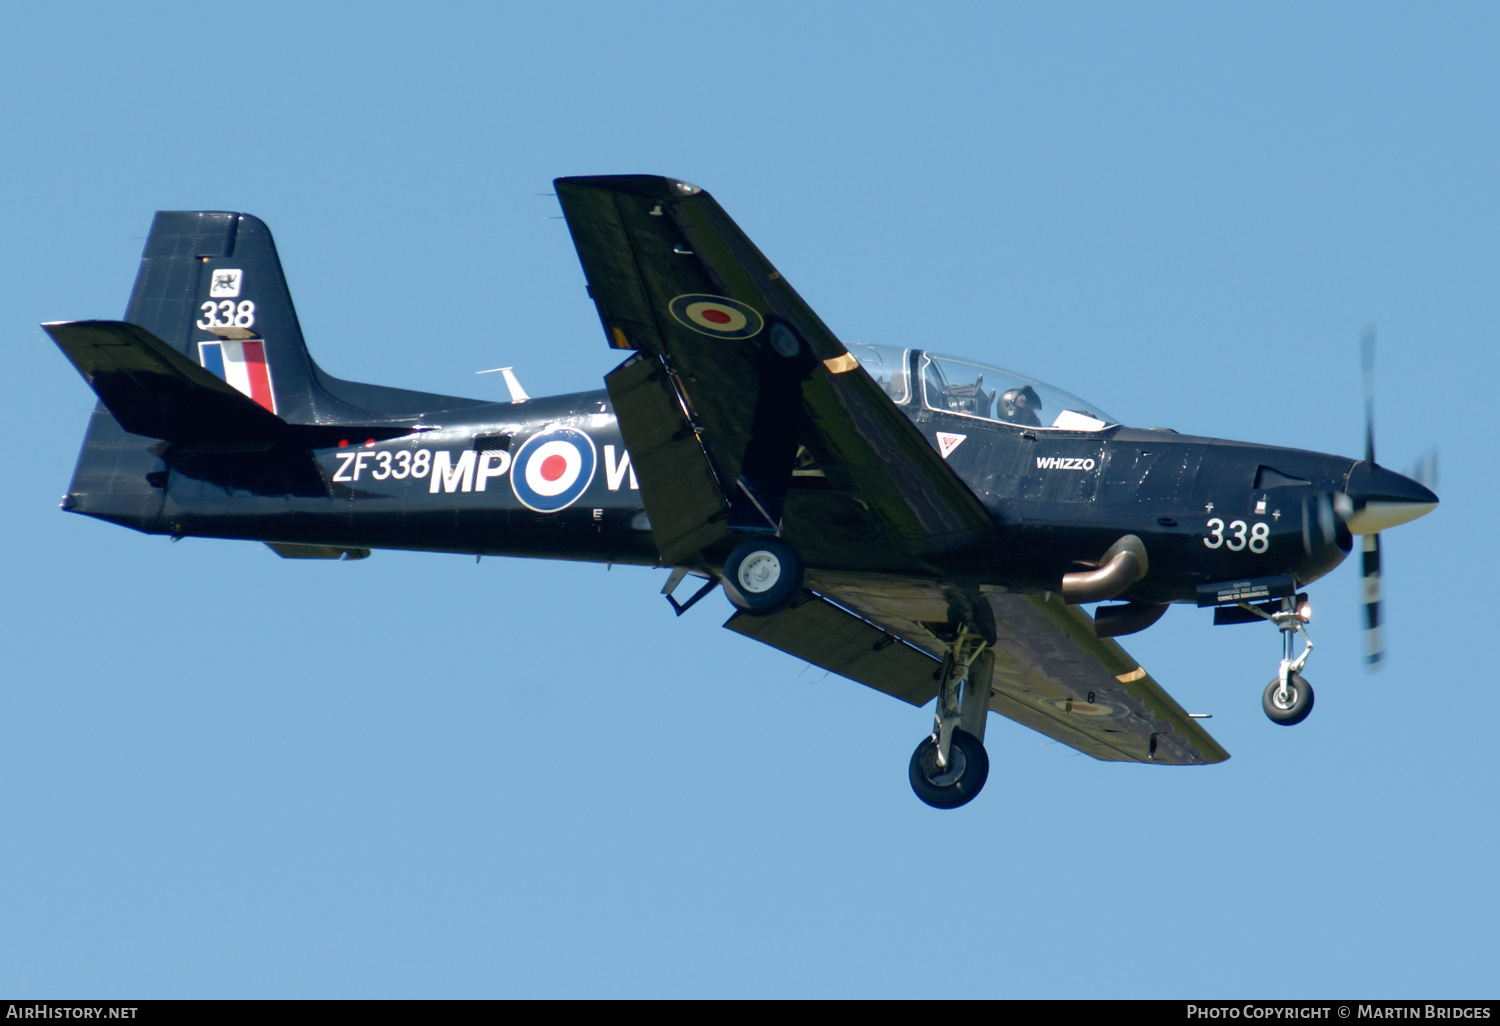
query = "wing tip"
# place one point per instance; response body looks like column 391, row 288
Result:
column 656, row 187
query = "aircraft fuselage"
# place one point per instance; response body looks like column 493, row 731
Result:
column 1207, row 510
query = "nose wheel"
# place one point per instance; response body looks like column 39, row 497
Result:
column 1288, row 705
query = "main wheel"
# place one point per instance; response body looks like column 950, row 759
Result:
column 1293, row 709
column 762, row 576
column 968, row 769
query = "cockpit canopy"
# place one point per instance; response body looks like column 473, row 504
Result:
column 970, row 389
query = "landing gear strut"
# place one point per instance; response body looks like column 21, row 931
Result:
column 950, row 767
column 1288, row 699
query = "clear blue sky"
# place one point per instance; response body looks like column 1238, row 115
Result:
column 225, row 774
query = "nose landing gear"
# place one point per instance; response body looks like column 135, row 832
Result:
column 1288, row 699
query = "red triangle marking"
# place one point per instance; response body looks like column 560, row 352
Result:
column 947, row 443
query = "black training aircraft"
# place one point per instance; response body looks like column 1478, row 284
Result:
column 922, row 524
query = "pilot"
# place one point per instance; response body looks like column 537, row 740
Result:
column 1020, row 406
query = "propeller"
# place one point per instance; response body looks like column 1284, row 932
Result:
column 1373, row 499
column 1379, row 498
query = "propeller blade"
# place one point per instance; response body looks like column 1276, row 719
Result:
column 1367, row 353
column 1374, row 643
column 1324, row 522
column 1370, row 543
column 1424, row 470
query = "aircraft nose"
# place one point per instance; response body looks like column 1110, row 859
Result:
column 1383, row 498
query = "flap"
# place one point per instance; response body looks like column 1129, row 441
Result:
column 682, row 496
column 297, row 550
column 819, row 632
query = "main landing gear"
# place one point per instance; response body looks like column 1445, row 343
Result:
column 762, row 576
column 1288, row 699
column 950, row 767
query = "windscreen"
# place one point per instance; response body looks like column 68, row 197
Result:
column 887, row 365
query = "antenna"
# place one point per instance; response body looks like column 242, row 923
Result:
column 517, row 393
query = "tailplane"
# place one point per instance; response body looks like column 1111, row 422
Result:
column 154, row 391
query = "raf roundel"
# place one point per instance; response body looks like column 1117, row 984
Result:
column 718, row 316
column 552, row 469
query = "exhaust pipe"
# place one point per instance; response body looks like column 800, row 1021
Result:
column 1132, row 617
column 1123, row 565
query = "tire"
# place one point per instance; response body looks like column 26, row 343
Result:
column 1294, row 712
column 969, row 768
column 762, row 576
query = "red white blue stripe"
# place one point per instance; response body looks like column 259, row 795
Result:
column 243, row 365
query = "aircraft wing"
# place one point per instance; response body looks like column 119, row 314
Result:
column 1051, row 674
column 1055, row 676
column 706, row 401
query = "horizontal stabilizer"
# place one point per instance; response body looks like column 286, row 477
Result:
column 153, row 390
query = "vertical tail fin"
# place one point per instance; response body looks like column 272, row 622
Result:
column 211, row 286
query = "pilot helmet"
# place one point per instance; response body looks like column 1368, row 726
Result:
column 1024, row 398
